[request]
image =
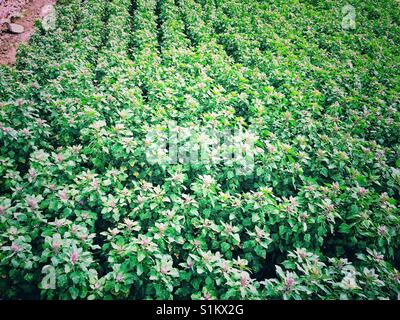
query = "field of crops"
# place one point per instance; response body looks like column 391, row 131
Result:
column 85, row 213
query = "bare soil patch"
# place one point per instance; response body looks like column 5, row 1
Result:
column 21, row 12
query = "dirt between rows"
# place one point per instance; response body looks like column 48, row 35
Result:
column 21, row 12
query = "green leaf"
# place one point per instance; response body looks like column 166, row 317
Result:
column 141, row 256
column 225, row 246
column 344, row 228
column 260, row 251
column 74, row 292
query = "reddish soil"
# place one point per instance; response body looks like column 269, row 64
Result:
column 22, row 12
